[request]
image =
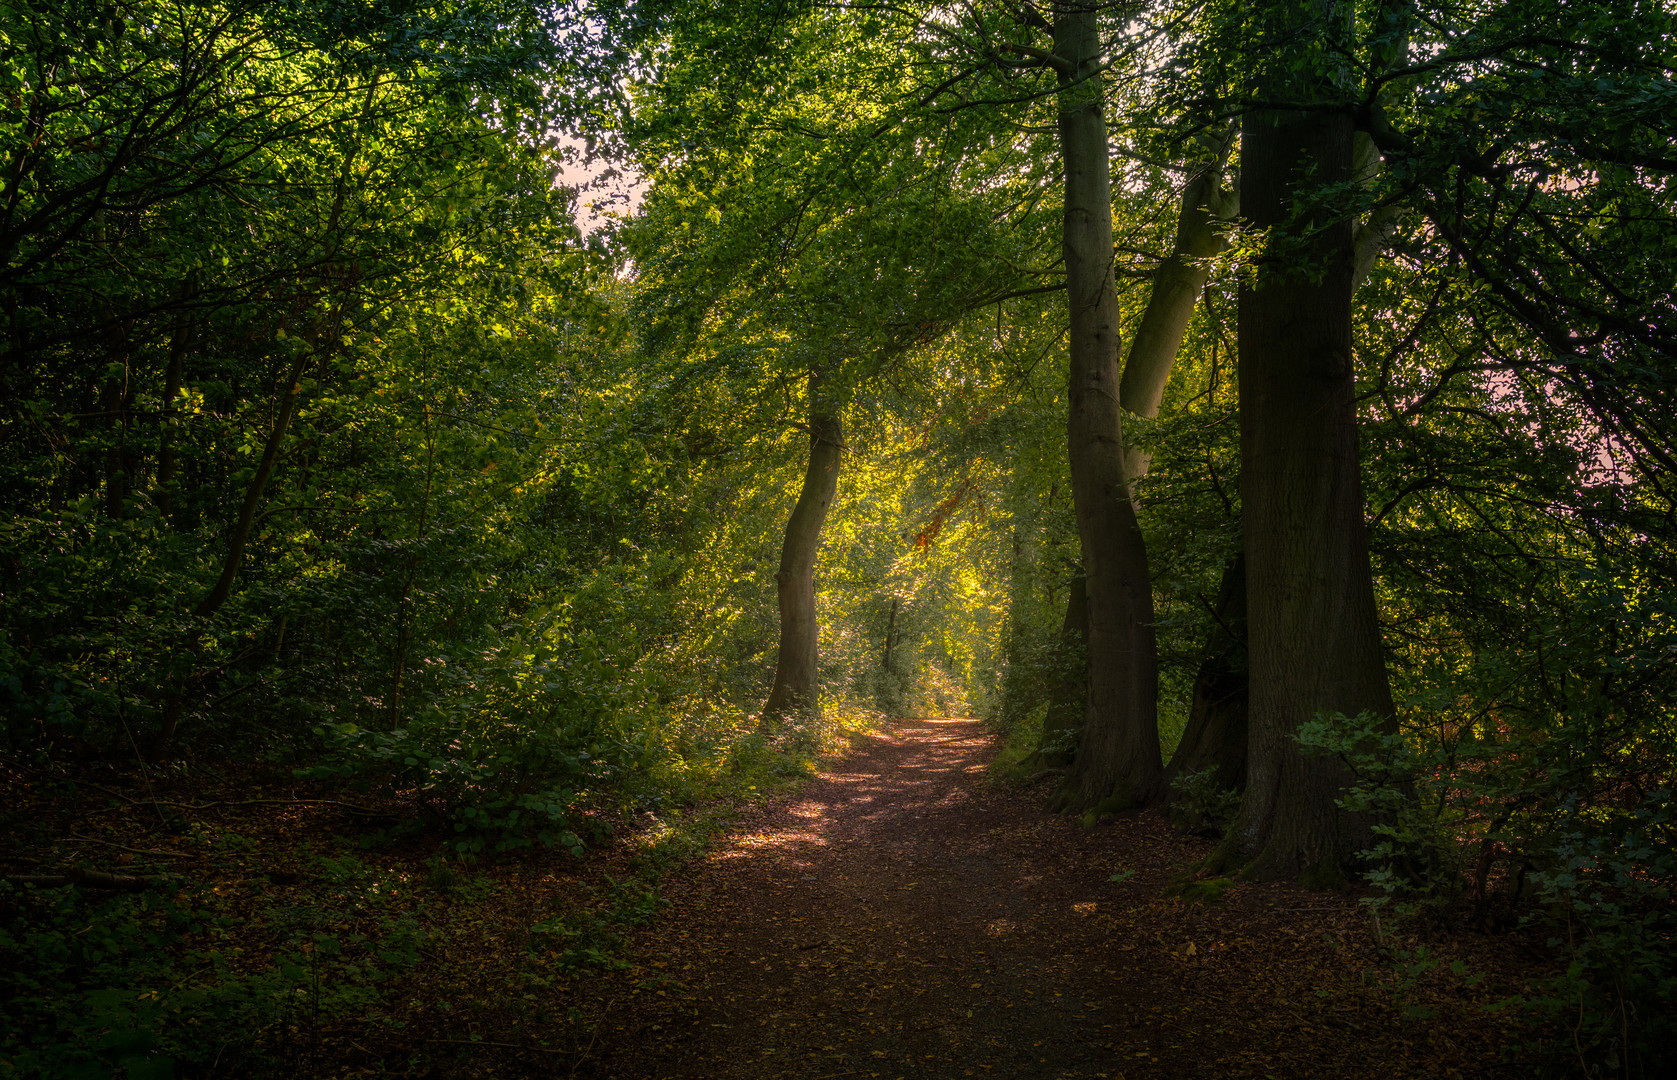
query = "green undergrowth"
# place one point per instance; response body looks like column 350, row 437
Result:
column 1017, row 760
column 208, row 980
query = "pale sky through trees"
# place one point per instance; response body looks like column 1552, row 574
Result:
column 605, row 191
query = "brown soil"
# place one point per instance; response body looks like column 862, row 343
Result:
column 905, row 916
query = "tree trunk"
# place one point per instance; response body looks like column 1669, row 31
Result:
column 174, row 705
column 1118, row 761
column 1388, row 50
column 1313, row 631
column 1068, row 701
column 891, row 633
column 1375, row 230
column 114, row 403
column 795, row 693
column 1215, row 737
column 292, row 387
column 1177, row 285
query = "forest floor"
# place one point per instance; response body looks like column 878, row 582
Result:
column 904, row 913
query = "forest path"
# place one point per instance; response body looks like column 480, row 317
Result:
column 904, row 916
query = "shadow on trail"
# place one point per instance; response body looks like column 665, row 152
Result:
column 901, row 916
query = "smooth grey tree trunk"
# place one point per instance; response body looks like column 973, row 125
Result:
column 1176, row 288
column 1118, row 763
column 1313, row 638
column 796, row 674
column 1177, row 285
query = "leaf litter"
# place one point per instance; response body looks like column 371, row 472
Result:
column 901, row 914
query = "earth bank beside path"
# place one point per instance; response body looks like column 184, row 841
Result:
column 902, row 915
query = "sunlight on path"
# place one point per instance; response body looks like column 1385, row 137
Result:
column 886, row 921
column 903, row 917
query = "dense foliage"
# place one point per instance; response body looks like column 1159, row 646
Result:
column 328, row 439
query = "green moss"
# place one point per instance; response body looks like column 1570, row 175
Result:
column 1202, row 891
column 1113, row 804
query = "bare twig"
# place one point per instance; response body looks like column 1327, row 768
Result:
column 240, row 802
column 77, row 838
column 93, row 879
column 499, row 1045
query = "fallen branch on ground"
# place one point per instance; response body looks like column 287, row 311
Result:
column 242, row 802
column 93, row 879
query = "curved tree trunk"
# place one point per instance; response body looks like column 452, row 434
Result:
column 1118, row 762
column 1314, row 636
column 1215, row 736
column 254, row 490
column 796, row 675
column 1176, row 288
column 1177, row 285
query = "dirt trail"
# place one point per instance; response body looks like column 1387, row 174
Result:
column 902, row 916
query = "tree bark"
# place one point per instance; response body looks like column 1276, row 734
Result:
column 1177, row 285
column 1215, row 737
column 796, row 674
column 1216, row 734
column 1118, row 762
column 1313, row 630
column 1375, row 230
column 114, row 403
column 1069, row 699
column 1388, row 51
column 174, row 705
column 891, row 633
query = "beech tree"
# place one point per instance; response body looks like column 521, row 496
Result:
column 796, row 688
column 991, row 60
column 1334, row 184
column 1313, row 629
column 1304, row 371
column 831, row 229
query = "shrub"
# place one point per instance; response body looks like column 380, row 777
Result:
column 1199, row 806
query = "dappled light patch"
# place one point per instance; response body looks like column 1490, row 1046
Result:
column 952, row 927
